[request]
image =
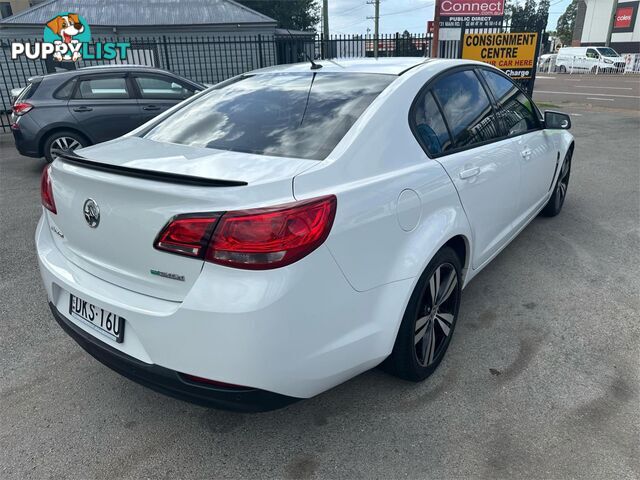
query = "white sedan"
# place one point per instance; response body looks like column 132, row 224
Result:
column 295, row 226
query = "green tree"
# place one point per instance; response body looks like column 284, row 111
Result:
column 405, row 46
column 293, row 14
column 530, row 17
column 542, row 15
column 566, row 23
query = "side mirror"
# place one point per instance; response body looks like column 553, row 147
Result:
column 556, row 120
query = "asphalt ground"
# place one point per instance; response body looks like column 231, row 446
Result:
column 541, row 379
column 590, row 91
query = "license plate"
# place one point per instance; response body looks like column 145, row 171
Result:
column 105, row 322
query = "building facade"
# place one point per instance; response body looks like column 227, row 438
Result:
column 594, row 23
column 11, row 7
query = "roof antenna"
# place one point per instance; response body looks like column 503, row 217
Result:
column 314, row 65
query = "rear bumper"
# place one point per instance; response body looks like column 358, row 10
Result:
column 24, row 146
column 25, row 135
column 169, row 382
column 295, row 331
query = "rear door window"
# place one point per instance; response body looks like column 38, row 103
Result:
column 162, row 88
column 515, row 109
column 466, row 108
column 102, row 88
column 301, row 115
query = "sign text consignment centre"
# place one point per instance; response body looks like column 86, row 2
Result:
column 514, row 53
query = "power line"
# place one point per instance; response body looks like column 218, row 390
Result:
column 349, row 9
column 429, row 4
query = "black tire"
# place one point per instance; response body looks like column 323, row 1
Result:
column 57, row 140
column 594, row 70
column 414, row 359
column 555, row 203
column 563, row 69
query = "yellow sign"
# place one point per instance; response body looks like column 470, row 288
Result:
column 512, row 52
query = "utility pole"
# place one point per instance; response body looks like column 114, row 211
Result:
column 376, row 28
column 435, row 38
column 325, row 26
column 376, row 25
column 612, row 22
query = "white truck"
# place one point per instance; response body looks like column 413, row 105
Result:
column 589, row 60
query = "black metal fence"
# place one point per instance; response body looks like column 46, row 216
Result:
column 211, row 59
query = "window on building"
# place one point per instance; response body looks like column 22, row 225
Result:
column 5, row 10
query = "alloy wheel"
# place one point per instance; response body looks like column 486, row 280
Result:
column 436, row 314
column 63, row 145
column 563, row 183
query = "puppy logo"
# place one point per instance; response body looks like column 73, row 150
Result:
column 67, row 38
column 67, row 31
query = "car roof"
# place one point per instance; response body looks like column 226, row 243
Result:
column 389, row 66
column 107, row 68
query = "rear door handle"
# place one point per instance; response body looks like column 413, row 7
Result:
column 151, row 107
column 526, row 153
column 83, row 109
column 469, row 172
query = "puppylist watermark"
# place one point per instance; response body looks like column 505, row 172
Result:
column 67, row 38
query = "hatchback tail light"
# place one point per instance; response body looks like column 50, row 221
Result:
column 21, row 108
column 46, row 190
column 256, row 239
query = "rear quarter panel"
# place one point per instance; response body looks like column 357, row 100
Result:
column 378, row 159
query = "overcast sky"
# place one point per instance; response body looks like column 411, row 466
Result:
column 350, row 16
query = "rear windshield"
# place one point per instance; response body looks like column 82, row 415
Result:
column 608, row 52
column 28, row 91
column 301, row 115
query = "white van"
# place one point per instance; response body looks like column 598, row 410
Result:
column 589, row 60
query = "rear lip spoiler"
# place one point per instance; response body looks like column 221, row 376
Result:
column 175, row 178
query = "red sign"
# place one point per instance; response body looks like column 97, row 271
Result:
column 471, row 8
column 430, row 26
column 623, row 17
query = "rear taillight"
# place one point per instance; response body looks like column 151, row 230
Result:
column 187, row 234
column 256, row 239
column 271, row 237
column 21, row 108
column 46, row 190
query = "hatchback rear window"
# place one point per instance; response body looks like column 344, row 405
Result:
column 28, row 91
column 301, row 115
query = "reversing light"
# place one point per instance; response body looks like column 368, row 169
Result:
column 187, row 234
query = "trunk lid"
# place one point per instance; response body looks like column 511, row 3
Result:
column 133, row 209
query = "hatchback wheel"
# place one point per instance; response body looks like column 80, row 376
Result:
column 62, row 142
column 430, row 318
column 555, row 203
